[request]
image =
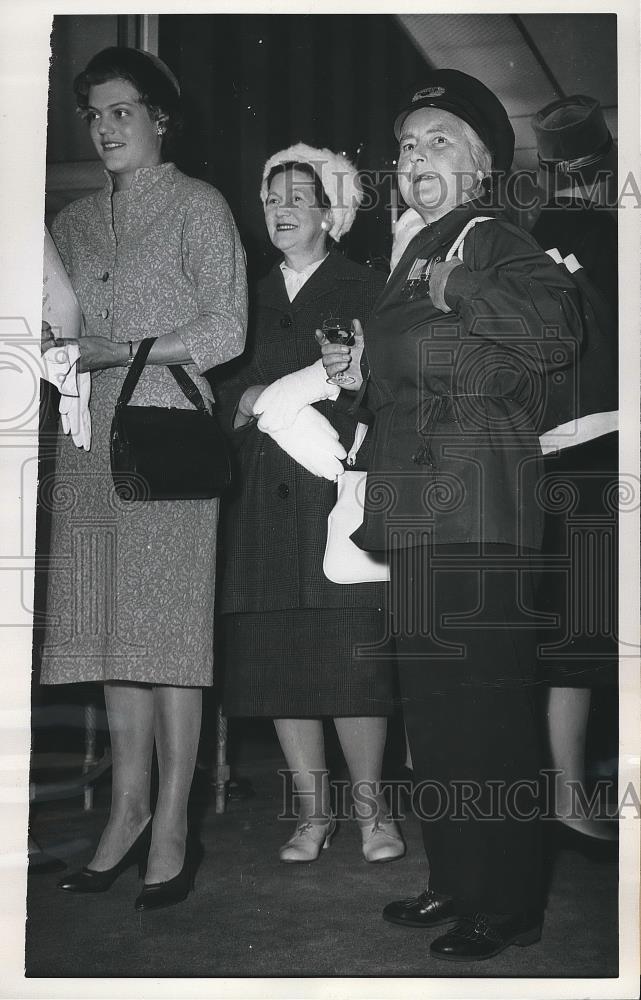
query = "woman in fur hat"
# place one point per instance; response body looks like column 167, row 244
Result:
column 293, row 637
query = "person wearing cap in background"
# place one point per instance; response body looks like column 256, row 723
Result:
column 577, row 178
column 290, row 634
column 154, row 253
column 458, row 355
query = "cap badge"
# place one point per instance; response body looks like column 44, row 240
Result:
column 428, row 92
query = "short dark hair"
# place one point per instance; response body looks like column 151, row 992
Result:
column 288, row 166
column 157, row 90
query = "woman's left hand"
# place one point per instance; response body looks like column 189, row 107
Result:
column 97, row 353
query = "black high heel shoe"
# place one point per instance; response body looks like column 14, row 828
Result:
column 90, row 880
column 158, row 895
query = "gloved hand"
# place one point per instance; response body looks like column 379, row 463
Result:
column 312, row 442
column 279, row 403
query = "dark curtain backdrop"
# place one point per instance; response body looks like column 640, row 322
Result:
column 254, row 84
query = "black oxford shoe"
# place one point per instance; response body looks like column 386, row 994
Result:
column 481, row 935
column 427, row 910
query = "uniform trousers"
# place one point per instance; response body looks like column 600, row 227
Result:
column 464, row 627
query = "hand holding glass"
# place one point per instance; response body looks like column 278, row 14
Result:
column 339, row 331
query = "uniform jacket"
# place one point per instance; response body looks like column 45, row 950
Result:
column 274, row 529
column 458, row 396
column 147, row 282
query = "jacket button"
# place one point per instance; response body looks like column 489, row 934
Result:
column 286, row 322
column 104, row 314
column 105, row 276
column 283, row 491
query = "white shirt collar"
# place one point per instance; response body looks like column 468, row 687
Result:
column 294, row 280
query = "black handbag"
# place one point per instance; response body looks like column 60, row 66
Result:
column 166, row 453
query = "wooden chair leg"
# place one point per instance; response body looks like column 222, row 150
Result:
column 222, row 767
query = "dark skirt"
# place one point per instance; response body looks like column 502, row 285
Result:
column 578, row 592
column 310, row 662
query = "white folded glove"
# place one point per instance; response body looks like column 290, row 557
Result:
column 61, row 310
column 312, row 442
column 74, row 413
column 281, row 401
column 60, row 365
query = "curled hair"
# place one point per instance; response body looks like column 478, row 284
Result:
column 158, row 89
column 481, row 156
column 288, row 166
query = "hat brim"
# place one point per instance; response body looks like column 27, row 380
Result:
column 586, row 174
column 456, row 108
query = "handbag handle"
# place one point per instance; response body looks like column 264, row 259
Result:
column 182, row 378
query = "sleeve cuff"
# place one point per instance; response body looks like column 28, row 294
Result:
column 461, row 284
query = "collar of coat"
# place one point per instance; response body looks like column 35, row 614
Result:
column 442, row 233
column 326, row 280
column 146, row 198
column 145, row 178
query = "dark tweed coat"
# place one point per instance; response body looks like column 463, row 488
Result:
column 275, row 527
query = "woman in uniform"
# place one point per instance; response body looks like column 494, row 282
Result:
column 458, row 345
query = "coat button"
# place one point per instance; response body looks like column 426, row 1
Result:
column 104, row 314
column 286, row 322
column 105, row 276
column 283, row 491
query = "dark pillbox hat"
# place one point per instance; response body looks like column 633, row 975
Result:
column 572, row 137
column 470, row 100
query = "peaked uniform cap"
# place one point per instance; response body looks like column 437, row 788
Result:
column 472, row 102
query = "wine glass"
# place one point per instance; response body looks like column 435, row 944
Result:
column 339, row 331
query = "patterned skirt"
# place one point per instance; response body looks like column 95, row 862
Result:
column 130, row 586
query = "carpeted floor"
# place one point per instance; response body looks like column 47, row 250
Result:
column 252, row 916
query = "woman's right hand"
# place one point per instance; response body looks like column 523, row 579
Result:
column 338, row 357
column 245, row 408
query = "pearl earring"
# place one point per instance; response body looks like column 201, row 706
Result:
column 160, row 130
column 324, row 225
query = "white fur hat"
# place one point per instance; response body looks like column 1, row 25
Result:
column 337, row 174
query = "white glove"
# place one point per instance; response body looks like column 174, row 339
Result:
column 74, row 408
column 313, row 443
column 59, row 367
column 279, row 403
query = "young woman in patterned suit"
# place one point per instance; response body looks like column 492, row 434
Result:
column 130, row 592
